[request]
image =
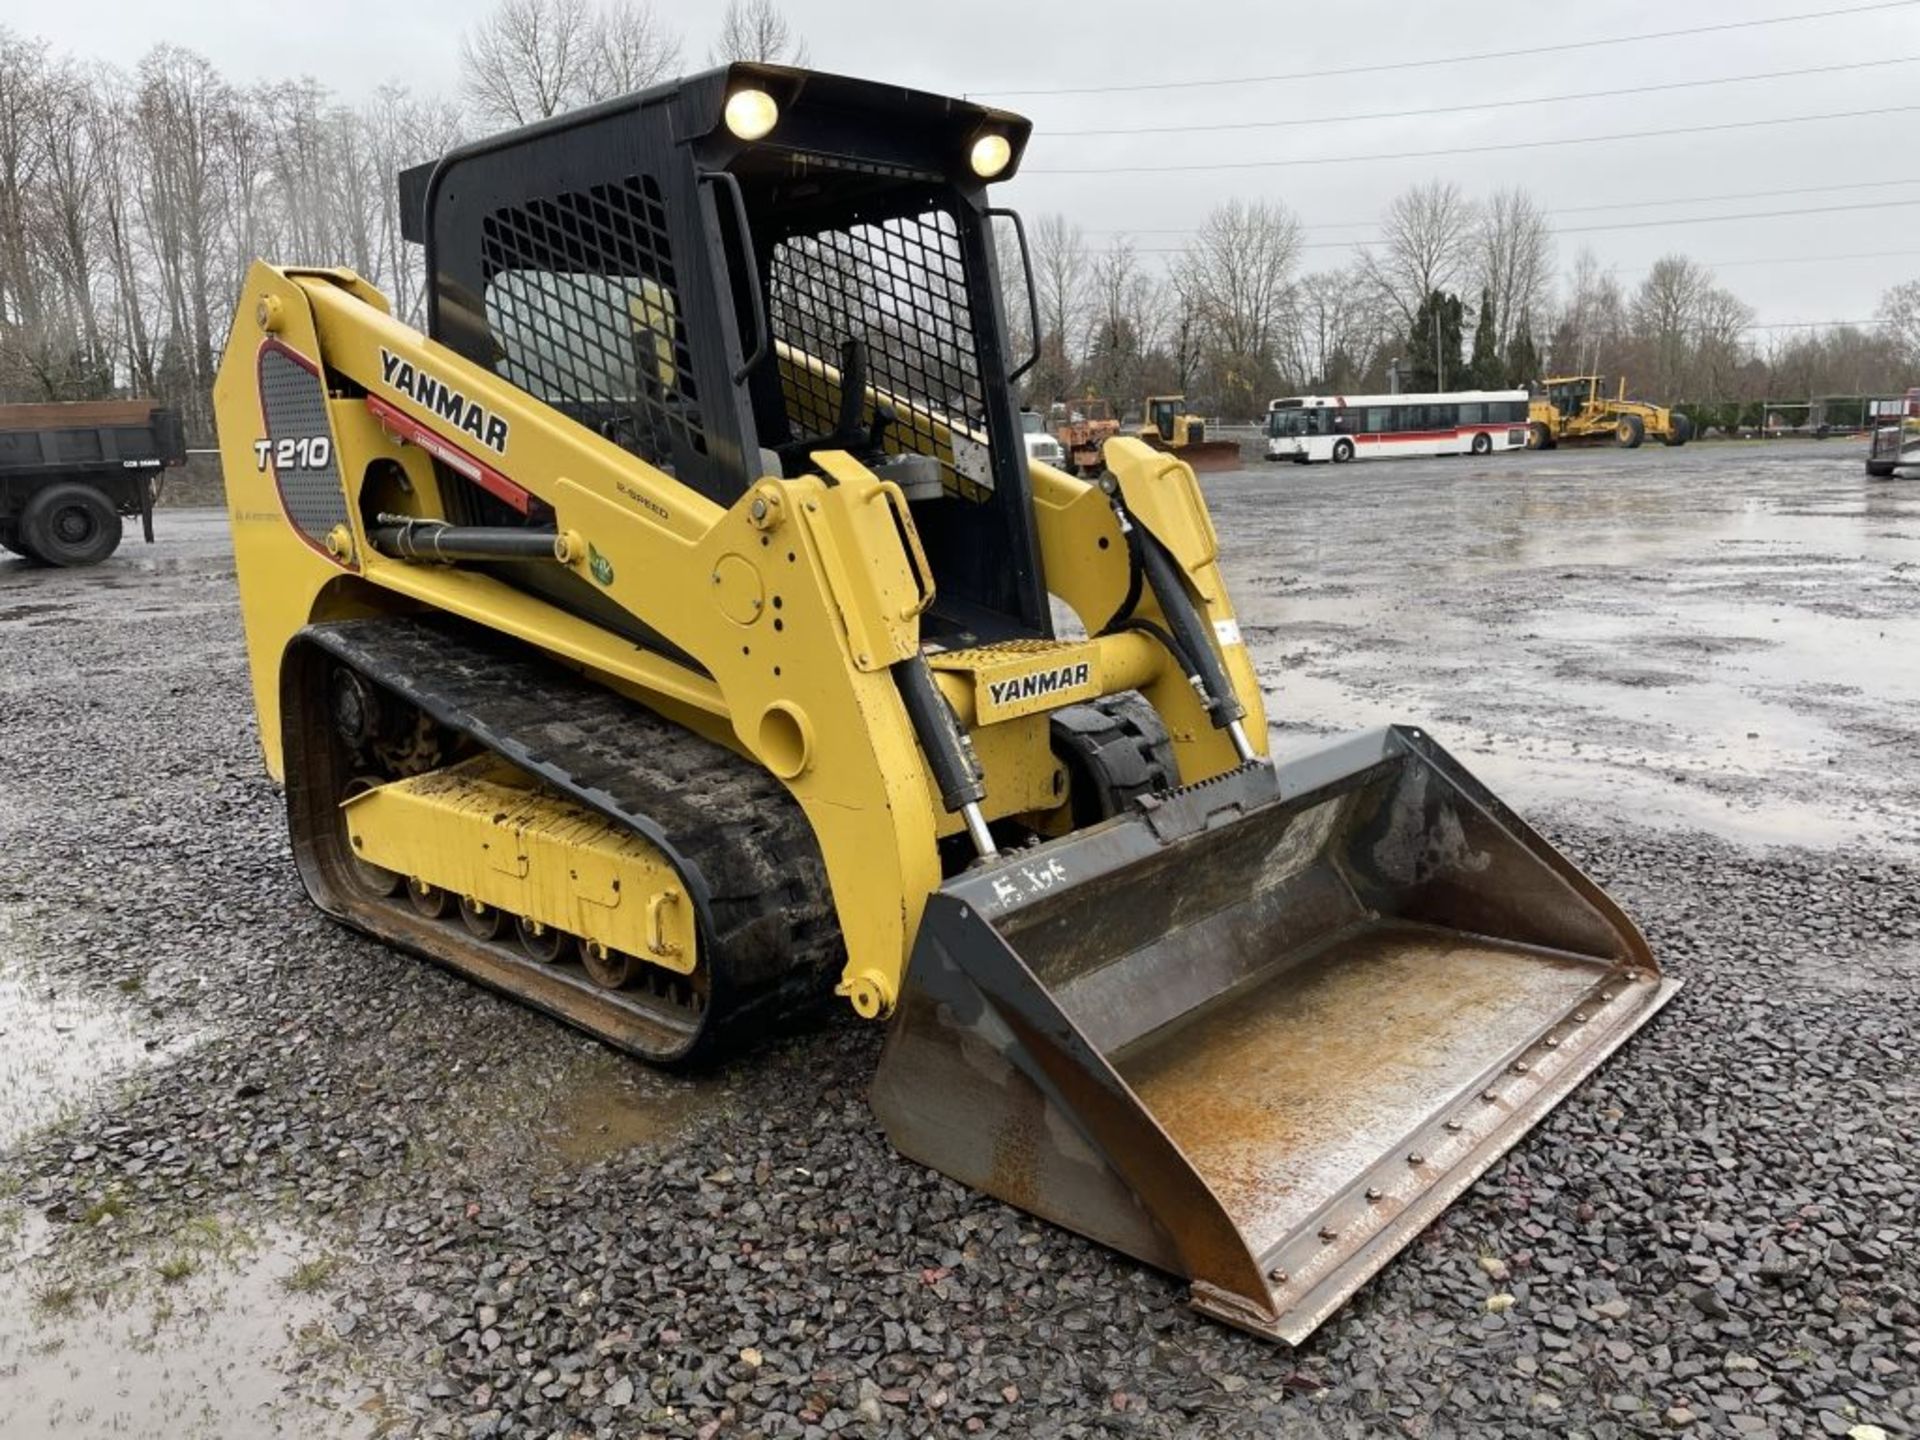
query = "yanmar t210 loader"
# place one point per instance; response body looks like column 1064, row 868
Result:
column 664, row 639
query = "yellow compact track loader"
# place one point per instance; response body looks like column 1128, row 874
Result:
column 1573, row 408
column 665, row 639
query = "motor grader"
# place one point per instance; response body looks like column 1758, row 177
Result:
column 1574, row 408
column 665, row 638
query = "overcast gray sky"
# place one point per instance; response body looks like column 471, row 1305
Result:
column 1019, row 45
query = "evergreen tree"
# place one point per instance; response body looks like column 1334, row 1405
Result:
column 1523, row 360
column 1433, row 343
column 1485, row 366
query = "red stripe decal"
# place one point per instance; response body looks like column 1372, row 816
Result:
column 410, row 431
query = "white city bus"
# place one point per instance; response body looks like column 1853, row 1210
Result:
column 1361, row 427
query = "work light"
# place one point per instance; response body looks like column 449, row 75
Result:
column 990, row 155
column 752, row 113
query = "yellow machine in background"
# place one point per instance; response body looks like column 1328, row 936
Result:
column 666, row 639
column 1165, row 425
column 1575, row 408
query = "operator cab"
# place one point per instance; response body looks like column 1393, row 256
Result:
column 729, row 274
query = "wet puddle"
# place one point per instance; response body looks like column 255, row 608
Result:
column 623, row 1105
column 565, row 1107
column 58, row 1046
column 189, row 1340
column 189, row 1345
column 1614, row 648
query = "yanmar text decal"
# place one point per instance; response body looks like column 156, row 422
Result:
column 1040, row 682
column 443, row 400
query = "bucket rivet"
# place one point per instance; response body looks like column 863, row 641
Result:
column 1416, row 1158
column 1277, row 1275
column 1579, row 1017
column 1606, row 995
column 1553, row 1042
column 1329, row 1234
column 1453, row 1125
column 1490, row 1097
column 1519, row 1067
column 1373, row 1192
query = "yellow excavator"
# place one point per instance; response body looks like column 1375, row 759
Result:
column 665, row 638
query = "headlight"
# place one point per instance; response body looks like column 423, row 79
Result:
column 751, row 113
column 990, row 155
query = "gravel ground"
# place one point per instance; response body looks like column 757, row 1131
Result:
column 258, row 1175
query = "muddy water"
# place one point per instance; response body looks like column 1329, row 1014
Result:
column 58, row 1046
column 184, row 1345
column 184, row 1339
column 1698, row 638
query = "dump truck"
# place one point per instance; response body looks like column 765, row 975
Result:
column 1083, row 428
column 1893, row 427
column 71, row 471
column 1165, row 426
column 665, row 639
column 1575, row 408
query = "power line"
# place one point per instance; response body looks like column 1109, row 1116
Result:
column 1527, row 53
column 1485, row 104
column 1615, row 225
column 1816, row 325
column 1735, row 195
column 1479, row 149
column 1811, row 259
column 1705, row 264
column 1558, row 210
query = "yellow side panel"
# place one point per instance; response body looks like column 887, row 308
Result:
column 472, row 830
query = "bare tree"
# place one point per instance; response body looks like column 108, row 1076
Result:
column 23, row 95
column 756, row 30
column 1060, row 278
column 1592, row 323
column 1426, row 243
column 527, row 60
column 400, row 131
column 1899, row 315
column 1127, row 318
column 1718, row 335
column 1512, row 259
column 631, row 49
column 1666, row 310
column 1341, row 330
column 1240, row 270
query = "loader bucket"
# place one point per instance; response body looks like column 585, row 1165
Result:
column 1261, row 1032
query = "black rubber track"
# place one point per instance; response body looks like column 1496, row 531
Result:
column 743, row 844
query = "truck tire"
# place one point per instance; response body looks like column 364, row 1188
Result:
column 1630, row 432
column 1540, row 437
column 10, row 539
column 70, row 525
column 1880, row 469
column 1680, row 431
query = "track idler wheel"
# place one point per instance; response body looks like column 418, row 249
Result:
column 430, row 900
column 483, row 921
column 609, row 969
column 542, row 942
column 374, row 879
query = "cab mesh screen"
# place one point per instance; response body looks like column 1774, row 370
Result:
column 900, row 287
column 584, row 305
